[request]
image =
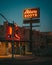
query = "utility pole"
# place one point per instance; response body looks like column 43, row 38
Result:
column 13, row 40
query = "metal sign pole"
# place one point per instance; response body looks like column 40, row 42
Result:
column 29, row 14
column 30, row 36
column 31, row 41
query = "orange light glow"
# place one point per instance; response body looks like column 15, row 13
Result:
column 31, row 13
column 35, row 14
column 18, row 37
column 9, row 33
column 10, row 30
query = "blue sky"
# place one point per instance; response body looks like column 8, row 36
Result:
column 13, row 11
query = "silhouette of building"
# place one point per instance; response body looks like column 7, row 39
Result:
column 22, row 37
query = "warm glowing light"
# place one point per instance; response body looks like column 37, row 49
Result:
column 0, row 43
column 35, row 11
column 9, row 33
column 10, row 30
column 18, row 37
column 25, row 16
column 31, row 13
column 35, row 14
column 9, row 44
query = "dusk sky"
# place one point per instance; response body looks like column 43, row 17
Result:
column 13, row 11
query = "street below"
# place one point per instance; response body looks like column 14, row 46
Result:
column 27, row 60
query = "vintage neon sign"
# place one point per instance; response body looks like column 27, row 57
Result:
column 31, row 13
column 9, row 33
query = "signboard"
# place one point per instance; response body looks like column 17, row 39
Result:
column 31, row 21
column 9, row 33
column 31, row 13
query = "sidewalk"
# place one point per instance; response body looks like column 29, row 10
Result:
column 26, row 59
column 17, row 57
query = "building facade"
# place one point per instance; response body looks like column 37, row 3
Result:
column 20, row 36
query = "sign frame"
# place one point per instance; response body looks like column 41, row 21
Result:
column 31, row 13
